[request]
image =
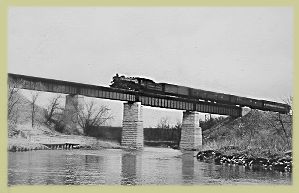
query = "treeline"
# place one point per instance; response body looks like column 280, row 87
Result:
column 162, row 132
column 150, row 134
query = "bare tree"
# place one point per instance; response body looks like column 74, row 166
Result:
column 14, row 88
column 91, row 114
column 283, row 123
column 34, row 96
column 281, row 126
column 53, row 109
column 178, row 125
column 178, row 128
column 163, row 123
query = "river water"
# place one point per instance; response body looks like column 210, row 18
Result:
column 116, row 166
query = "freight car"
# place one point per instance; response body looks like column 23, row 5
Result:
column 277, row 107
column 143, row 84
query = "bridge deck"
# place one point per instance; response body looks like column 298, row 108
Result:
column 147, row 99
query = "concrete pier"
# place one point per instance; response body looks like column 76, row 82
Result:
column 132, row 130
column 191, row 135
column 72, row 105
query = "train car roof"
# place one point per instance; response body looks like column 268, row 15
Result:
column 139, row 78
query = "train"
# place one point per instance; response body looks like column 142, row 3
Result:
column 148, row 85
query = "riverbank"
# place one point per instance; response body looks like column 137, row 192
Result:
column 38, row 138
column 42, row 142
column 254, row 152
column 281, row 163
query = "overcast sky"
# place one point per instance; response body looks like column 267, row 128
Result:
column 246, row 51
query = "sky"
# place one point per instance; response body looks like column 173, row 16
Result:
column 245, row 51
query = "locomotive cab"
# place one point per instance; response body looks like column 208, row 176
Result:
column 123, row 82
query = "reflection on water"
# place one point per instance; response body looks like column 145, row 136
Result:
column 114, row 166
column 188, row 166
column 130, row 168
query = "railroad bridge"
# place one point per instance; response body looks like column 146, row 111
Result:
column 132, row 128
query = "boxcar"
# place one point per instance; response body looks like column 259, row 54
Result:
column 208, row 95
column 223, row 98
column 232, row 99
column 198, row 94
column 170, row 88
column 243, row 101
column 149, row 84
column 258, row 104
column 175, row 89
column 212, row 96
column 183, row 90
column 273, row 106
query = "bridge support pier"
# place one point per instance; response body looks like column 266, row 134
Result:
column 72, row 104
column 132, row 130
column 191, row 134
column 245, row 111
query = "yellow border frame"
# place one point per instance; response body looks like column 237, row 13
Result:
column 5, row 4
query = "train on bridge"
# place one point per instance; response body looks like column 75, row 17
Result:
column 147, row 85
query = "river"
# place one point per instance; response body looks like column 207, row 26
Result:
column 116, row 166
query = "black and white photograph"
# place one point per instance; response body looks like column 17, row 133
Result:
column 150, row 95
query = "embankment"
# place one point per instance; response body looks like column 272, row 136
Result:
column 257, row 134
column 39, row 138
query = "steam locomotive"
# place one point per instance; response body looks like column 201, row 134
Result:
column 147, row 85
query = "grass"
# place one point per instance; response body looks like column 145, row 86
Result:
column 257, row 134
